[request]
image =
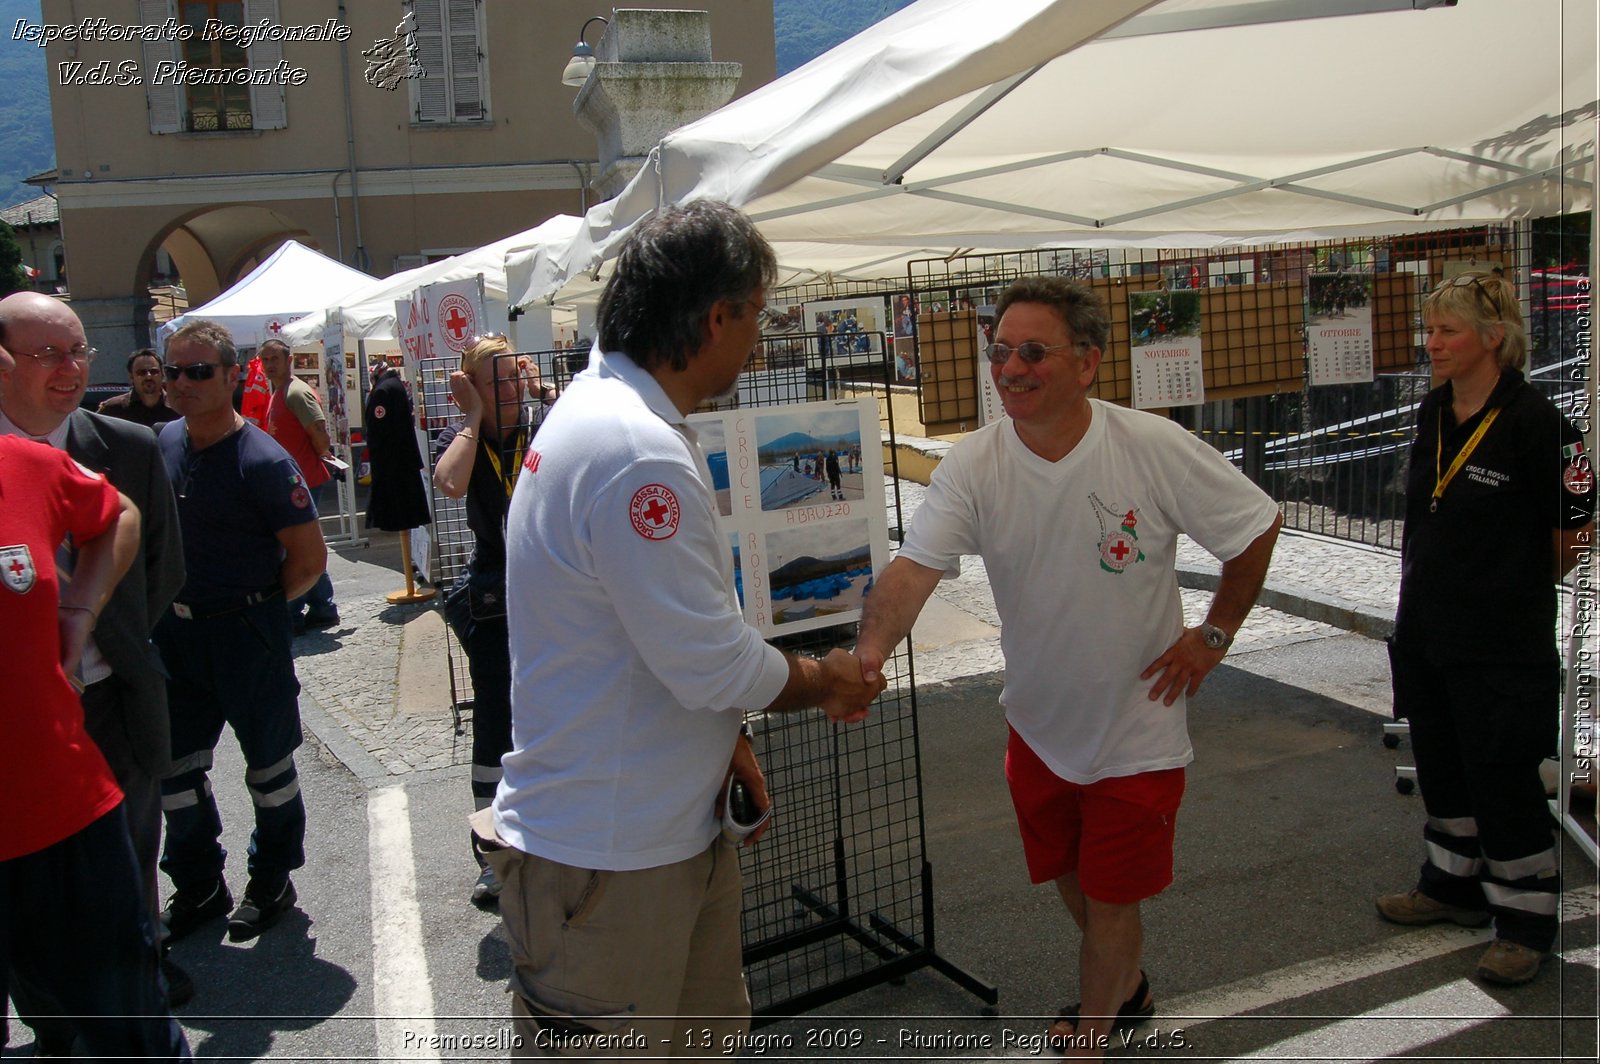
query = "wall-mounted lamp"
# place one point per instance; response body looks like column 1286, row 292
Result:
column 582, row 61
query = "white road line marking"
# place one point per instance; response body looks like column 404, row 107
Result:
column 402, row 997
column 1409, row 1024
column 1348, row 966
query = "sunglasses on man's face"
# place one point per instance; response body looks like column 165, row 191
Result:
column 1032, row 352
column 195, row 371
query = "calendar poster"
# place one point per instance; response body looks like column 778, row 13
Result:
column 989, row 406
column 1167, row 365
column 1339, row 330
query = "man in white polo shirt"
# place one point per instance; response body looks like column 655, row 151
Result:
column 1075, row 506
column 631, row 665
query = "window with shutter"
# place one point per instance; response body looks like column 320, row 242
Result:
column 268, row 108
column 214, row 108
column 453, row 87
column 165, row 102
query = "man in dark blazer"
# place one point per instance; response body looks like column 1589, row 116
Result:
column 125, row 694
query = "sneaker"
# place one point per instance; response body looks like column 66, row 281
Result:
column 1509, row 963
column 316, row 622
column 180, row 988
column 260, row 908
column 1415, row 907
column 486, row 891
column 190, row 907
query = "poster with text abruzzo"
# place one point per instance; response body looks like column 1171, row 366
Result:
column 799, row 491
column 1339, row 329
column 1167, row 366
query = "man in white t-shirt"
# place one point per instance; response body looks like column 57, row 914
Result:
column 1075, row 506
column 631, row 669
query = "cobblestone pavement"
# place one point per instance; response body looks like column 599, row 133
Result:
column 350, row 674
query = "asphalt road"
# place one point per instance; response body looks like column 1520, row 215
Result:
column 1266, row 944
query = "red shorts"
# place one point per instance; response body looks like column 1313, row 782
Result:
column 1115, row 833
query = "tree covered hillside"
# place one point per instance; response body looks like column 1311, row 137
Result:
column 24, row 106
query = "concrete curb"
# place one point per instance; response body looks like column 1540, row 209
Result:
column 1340, row 613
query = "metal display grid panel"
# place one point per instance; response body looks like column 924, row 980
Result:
column 838, row 893
column 452, row 539
column 1332, row 456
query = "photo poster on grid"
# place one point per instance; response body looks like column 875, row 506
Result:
column 990, row 409
column 809, row 532
column 1168, row 365
column 338, row 382
column 849, row 331
column 1339, row 328
column 903, row 322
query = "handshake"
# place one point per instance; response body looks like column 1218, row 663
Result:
column 849, row 684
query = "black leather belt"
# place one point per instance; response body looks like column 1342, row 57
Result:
column 200, row 611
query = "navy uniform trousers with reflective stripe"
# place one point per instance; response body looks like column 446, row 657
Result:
column 1479, row 734
column 234, row 669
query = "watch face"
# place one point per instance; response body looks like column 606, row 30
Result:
column 1215, row 637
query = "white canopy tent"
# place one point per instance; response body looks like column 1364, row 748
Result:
column 290, row 281
column 368, row 312
column 957, row 125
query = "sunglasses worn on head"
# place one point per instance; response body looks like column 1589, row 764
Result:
column 1462, row 280
column 1032, row 352
column 195, row 371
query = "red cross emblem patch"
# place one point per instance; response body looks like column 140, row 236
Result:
column 16, row 564
column 457, row 317
column 378, row 410
column 654, row 512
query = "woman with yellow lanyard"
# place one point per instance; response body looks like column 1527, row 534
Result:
column 479, row 459
column 1499, row 500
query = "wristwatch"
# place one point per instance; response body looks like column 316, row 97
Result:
column 1215, row 637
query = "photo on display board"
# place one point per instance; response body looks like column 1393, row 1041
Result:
column 848, row 331
column 714, row 445
column 808, row 457
column 783, row 339
column 905, row 318
column 793, row 477
column 819, row 572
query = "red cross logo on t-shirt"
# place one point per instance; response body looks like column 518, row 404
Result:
column 654, row 512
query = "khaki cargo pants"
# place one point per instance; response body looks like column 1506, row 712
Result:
column 612, row 965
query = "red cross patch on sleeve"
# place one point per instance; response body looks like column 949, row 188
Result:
column 378, row 411
column 654, row 512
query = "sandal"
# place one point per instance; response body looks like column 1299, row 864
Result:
column 1137, row 1009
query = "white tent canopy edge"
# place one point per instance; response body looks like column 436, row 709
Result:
column 265, row 300
column 959, row 125
column 367, row 313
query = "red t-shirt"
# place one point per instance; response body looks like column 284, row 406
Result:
column 54, row 782
column 283, row 422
